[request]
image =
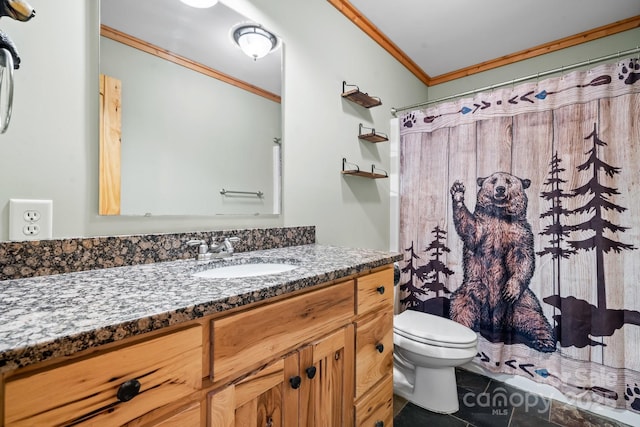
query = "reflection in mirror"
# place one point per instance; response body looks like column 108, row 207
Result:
column 185, row 114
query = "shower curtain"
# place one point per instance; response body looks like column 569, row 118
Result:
column 520, row 218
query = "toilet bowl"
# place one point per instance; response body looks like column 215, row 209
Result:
column 427, row 349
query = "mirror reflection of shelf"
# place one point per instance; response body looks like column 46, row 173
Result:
column 357, row 172
column 372, row 136
column 358, row 97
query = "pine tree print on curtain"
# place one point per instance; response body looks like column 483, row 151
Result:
column 579, row 320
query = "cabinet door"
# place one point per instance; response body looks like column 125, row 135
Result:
column 110, row 388
column 267, row 397
column 375, row 409
column 238, row 345
column 374, row 350
column 186, row 417
column 327, row 371
column 375, row 292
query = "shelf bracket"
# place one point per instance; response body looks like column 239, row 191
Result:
column 345, row 162
column 345, row 84
column 374, row 169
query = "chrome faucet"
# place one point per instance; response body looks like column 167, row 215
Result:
column 225, row 248
column 203, row 249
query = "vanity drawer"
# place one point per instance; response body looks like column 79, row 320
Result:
column 377, row 406
column 375, row 291
column 86, row 391
column 253, row 337
column 374, row 350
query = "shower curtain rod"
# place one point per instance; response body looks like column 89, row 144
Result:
column 394, row 110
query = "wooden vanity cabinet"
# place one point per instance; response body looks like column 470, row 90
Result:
column 311, row 337
column 319, row 358
column 311, row 386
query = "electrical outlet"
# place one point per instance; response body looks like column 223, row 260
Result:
column 30, row 219
column 31, row 230
column 32, row 215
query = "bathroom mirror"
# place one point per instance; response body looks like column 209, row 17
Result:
column 197, row 124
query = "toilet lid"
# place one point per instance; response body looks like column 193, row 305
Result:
column 434, row 330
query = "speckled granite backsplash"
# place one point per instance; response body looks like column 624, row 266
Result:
column 39, row 258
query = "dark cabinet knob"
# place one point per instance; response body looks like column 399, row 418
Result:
column 379, row 424
column 380, row 348
column 295, row 382
column 380, row 289
column 128, row 390
column 311, row 372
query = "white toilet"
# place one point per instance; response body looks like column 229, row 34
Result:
column 427, row 348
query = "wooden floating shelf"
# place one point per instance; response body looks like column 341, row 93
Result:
column 372, row 136
column 365, row 174
column 360, row 98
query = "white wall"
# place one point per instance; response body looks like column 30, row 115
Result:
column 50, row 149
column 323, row 49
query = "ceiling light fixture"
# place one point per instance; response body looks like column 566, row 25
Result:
column 200, row 4
column 255, row 41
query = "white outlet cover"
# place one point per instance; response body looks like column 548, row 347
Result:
column 18, row 221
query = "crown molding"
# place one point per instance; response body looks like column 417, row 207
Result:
column 355, row 16
column 149, row 48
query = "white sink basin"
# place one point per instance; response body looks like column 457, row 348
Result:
column 245, row 270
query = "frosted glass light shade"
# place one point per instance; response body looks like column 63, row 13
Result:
column 200, row 4
column 254, row 41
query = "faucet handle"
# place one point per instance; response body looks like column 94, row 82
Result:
column 226, row 239
column 203, row 248
column 226, row 245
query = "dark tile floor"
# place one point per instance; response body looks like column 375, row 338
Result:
column 480, row 406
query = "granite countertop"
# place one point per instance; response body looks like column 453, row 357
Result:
column 50, row 316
